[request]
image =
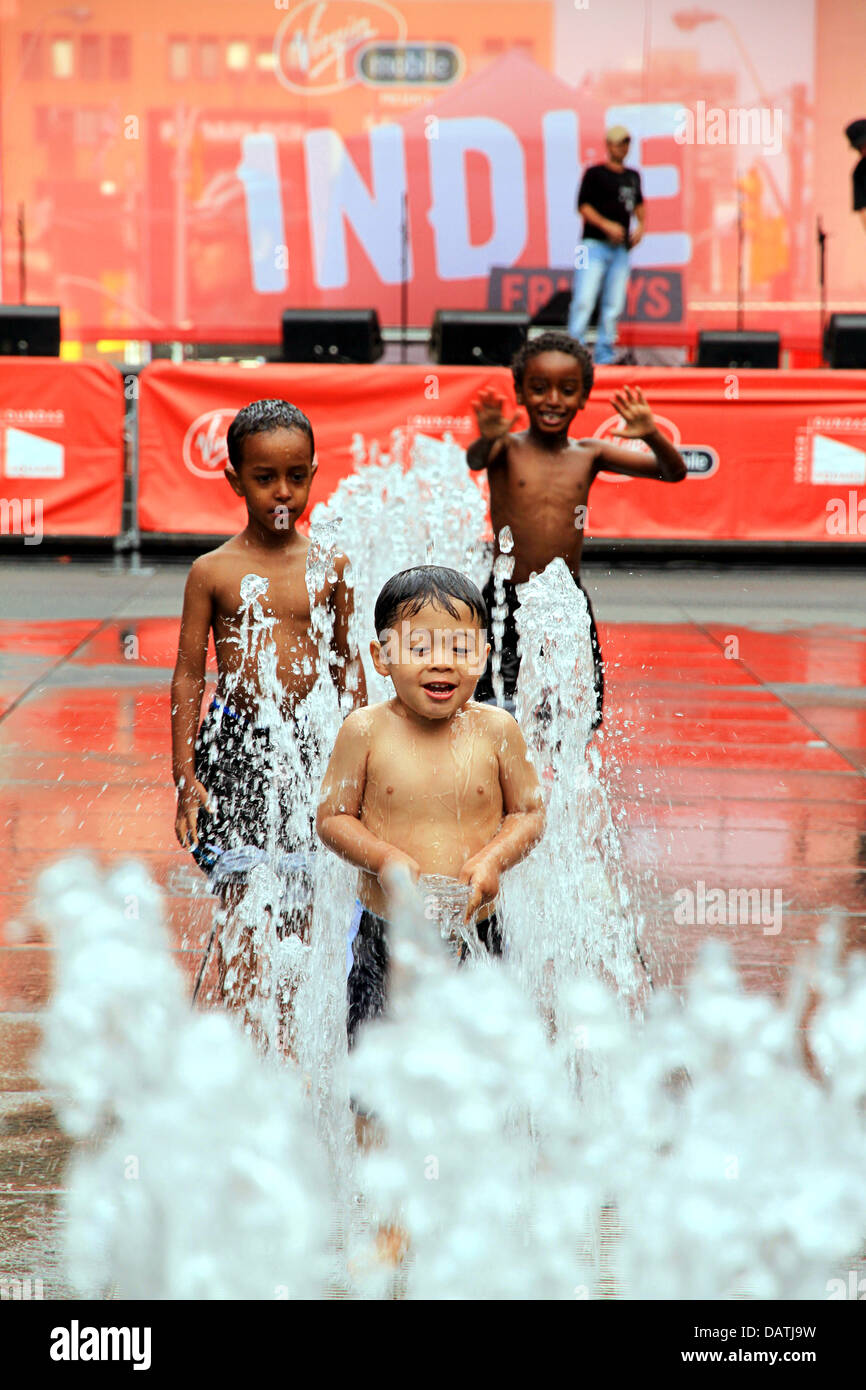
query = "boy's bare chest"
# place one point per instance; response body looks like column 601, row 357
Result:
column 276, row 592
column 530, row 479
column 410, row 777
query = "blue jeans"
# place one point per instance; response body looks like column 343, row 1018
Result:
column 602, row 268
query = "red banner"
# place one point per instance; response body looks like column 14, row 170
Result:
column 61, row 448
column 771, row 455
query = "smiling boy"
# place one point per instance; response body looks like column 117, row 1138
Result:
column 540, row 478
column 234, row 810
column 429, row 779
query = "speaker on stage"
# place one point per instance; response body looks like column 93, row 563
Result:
column 554, row 313
column 461, row 338
column 331, row 335
column 845, row 340
column 29, row 330
column 738, row 349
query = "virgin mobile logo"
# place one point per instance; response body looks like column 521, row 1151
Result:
column 701, row 460
column 316, row 43
column 205, row 451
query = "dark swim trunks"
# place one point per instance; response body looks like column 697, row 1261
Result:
column 510, row 663
column 257, row 818
column 368, row 977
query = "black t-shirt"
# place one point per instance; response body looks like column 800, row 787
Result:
column 860, row 185
column 614, row 195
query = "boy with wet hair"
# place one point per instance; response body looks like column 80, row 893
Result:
column 430, row 779
column 540, row 478
column 235, row 808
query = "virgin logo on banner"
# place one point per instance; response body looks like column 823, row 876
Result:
column 317, row 43
column 205, row 450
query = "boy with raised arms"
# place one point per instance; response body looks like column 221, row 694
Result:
column 540, row 478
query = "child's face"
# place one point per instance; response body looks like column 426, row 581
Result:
column 434, row 659
column 275, row 477
column 552, row 391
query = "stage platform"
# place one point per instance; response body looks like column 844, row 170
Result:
column 736, row 713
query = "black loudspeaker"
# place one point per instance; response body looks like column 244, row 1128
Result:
column 845, row 340
column 553, row 314
column 738, row 349
column 331, row 335
column 461, row 338
column 29, row 330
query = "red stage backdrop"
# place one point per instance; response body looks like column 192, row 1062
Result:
column 61, row 448
column 771, row 455
column 193, row 170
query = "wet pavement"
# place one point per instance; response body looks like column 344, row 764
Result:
column 735, row 740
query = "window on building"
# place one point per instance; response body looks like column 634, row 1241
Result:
column 90, row 56
column 178, row 59
column 119, row 57
column 32, row 55
column 62, row 57
column 237, row 55
column 265, row 60
column 209, row 56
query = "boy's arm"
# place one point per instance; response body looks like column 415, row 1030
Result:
column 348, row 669
column 494, row 431
column 523, row 823
column 341, row 798
column 666, row 461
column 187, row 689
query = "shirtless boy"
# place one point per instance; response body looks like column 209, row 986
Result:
column 540, row 479
column 229, row 789
column 429, row 779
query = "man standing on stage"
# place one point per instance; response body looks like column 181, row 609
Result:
column 856, row 133
column 610, row 195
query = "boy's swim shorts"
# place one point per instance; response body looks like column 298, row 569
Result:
column 510, row 657
column 264, row 810
column 368, row 976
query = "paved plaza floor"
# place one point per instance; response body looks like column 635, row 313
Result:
column 735, row 727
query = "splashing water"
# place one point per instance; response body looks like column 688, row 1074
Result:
column 388, row 518
column 503, row 568
column 568, row 907
column 711, row 1166
column 200, row 1178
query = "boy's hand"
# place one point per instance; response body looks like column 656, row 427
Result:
column 488, row 407
column 190, row 799
column 635, row 411
column 394, row 860
column 482, row 875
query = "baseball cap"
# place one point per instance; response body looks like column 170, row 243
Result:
column 617, row 133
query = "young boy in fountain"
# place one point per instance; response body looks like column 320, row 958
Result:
column 430, row 779
column 540, row 478
column 236, row 807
